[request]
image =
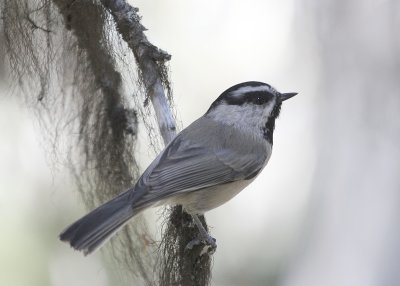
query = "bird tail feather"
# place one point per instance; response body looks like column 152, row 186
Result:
column 94, row 229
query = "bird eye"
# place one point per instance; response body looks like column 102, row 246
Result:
column 259, row 100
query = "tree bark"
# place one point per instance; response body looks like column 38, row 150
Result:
column 177, row 266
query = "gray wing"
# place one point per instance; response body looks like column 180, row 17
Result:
column 191, row 163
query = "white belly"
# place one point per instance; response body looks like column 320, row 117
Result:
column 198, row 202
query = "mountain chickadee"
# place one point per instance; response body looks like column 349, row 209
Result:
column 204, row 166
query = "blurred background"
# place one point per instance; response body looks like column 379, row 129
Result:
column 325, row 211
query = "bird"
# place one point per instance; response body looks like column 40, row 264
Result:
column 203, row 167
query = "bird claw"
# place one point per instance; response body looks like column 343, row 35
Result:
column 193, row 243
column 209, row 242
column 203, row 237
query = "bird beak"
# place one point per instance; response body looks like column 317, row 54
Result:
column 285, row 96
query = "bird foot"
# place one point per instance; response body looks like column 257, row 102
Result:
column 209, row 242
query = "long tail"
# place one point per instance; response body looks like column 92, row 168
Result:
column 91, row 231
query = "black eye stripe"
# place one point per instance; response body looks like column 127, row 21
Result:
column 252, row 92
column 256, row 97
column 260, row 97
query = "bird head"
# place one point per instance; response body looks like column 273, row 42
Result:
column 250, row 104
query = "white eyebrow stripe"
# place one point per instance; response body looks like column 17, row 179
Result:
column 246, row 89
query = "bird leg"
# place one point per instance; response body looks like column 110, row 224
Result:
column 204, row 237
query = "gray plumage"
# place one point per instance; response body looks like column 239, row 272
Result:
column 206, row 164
